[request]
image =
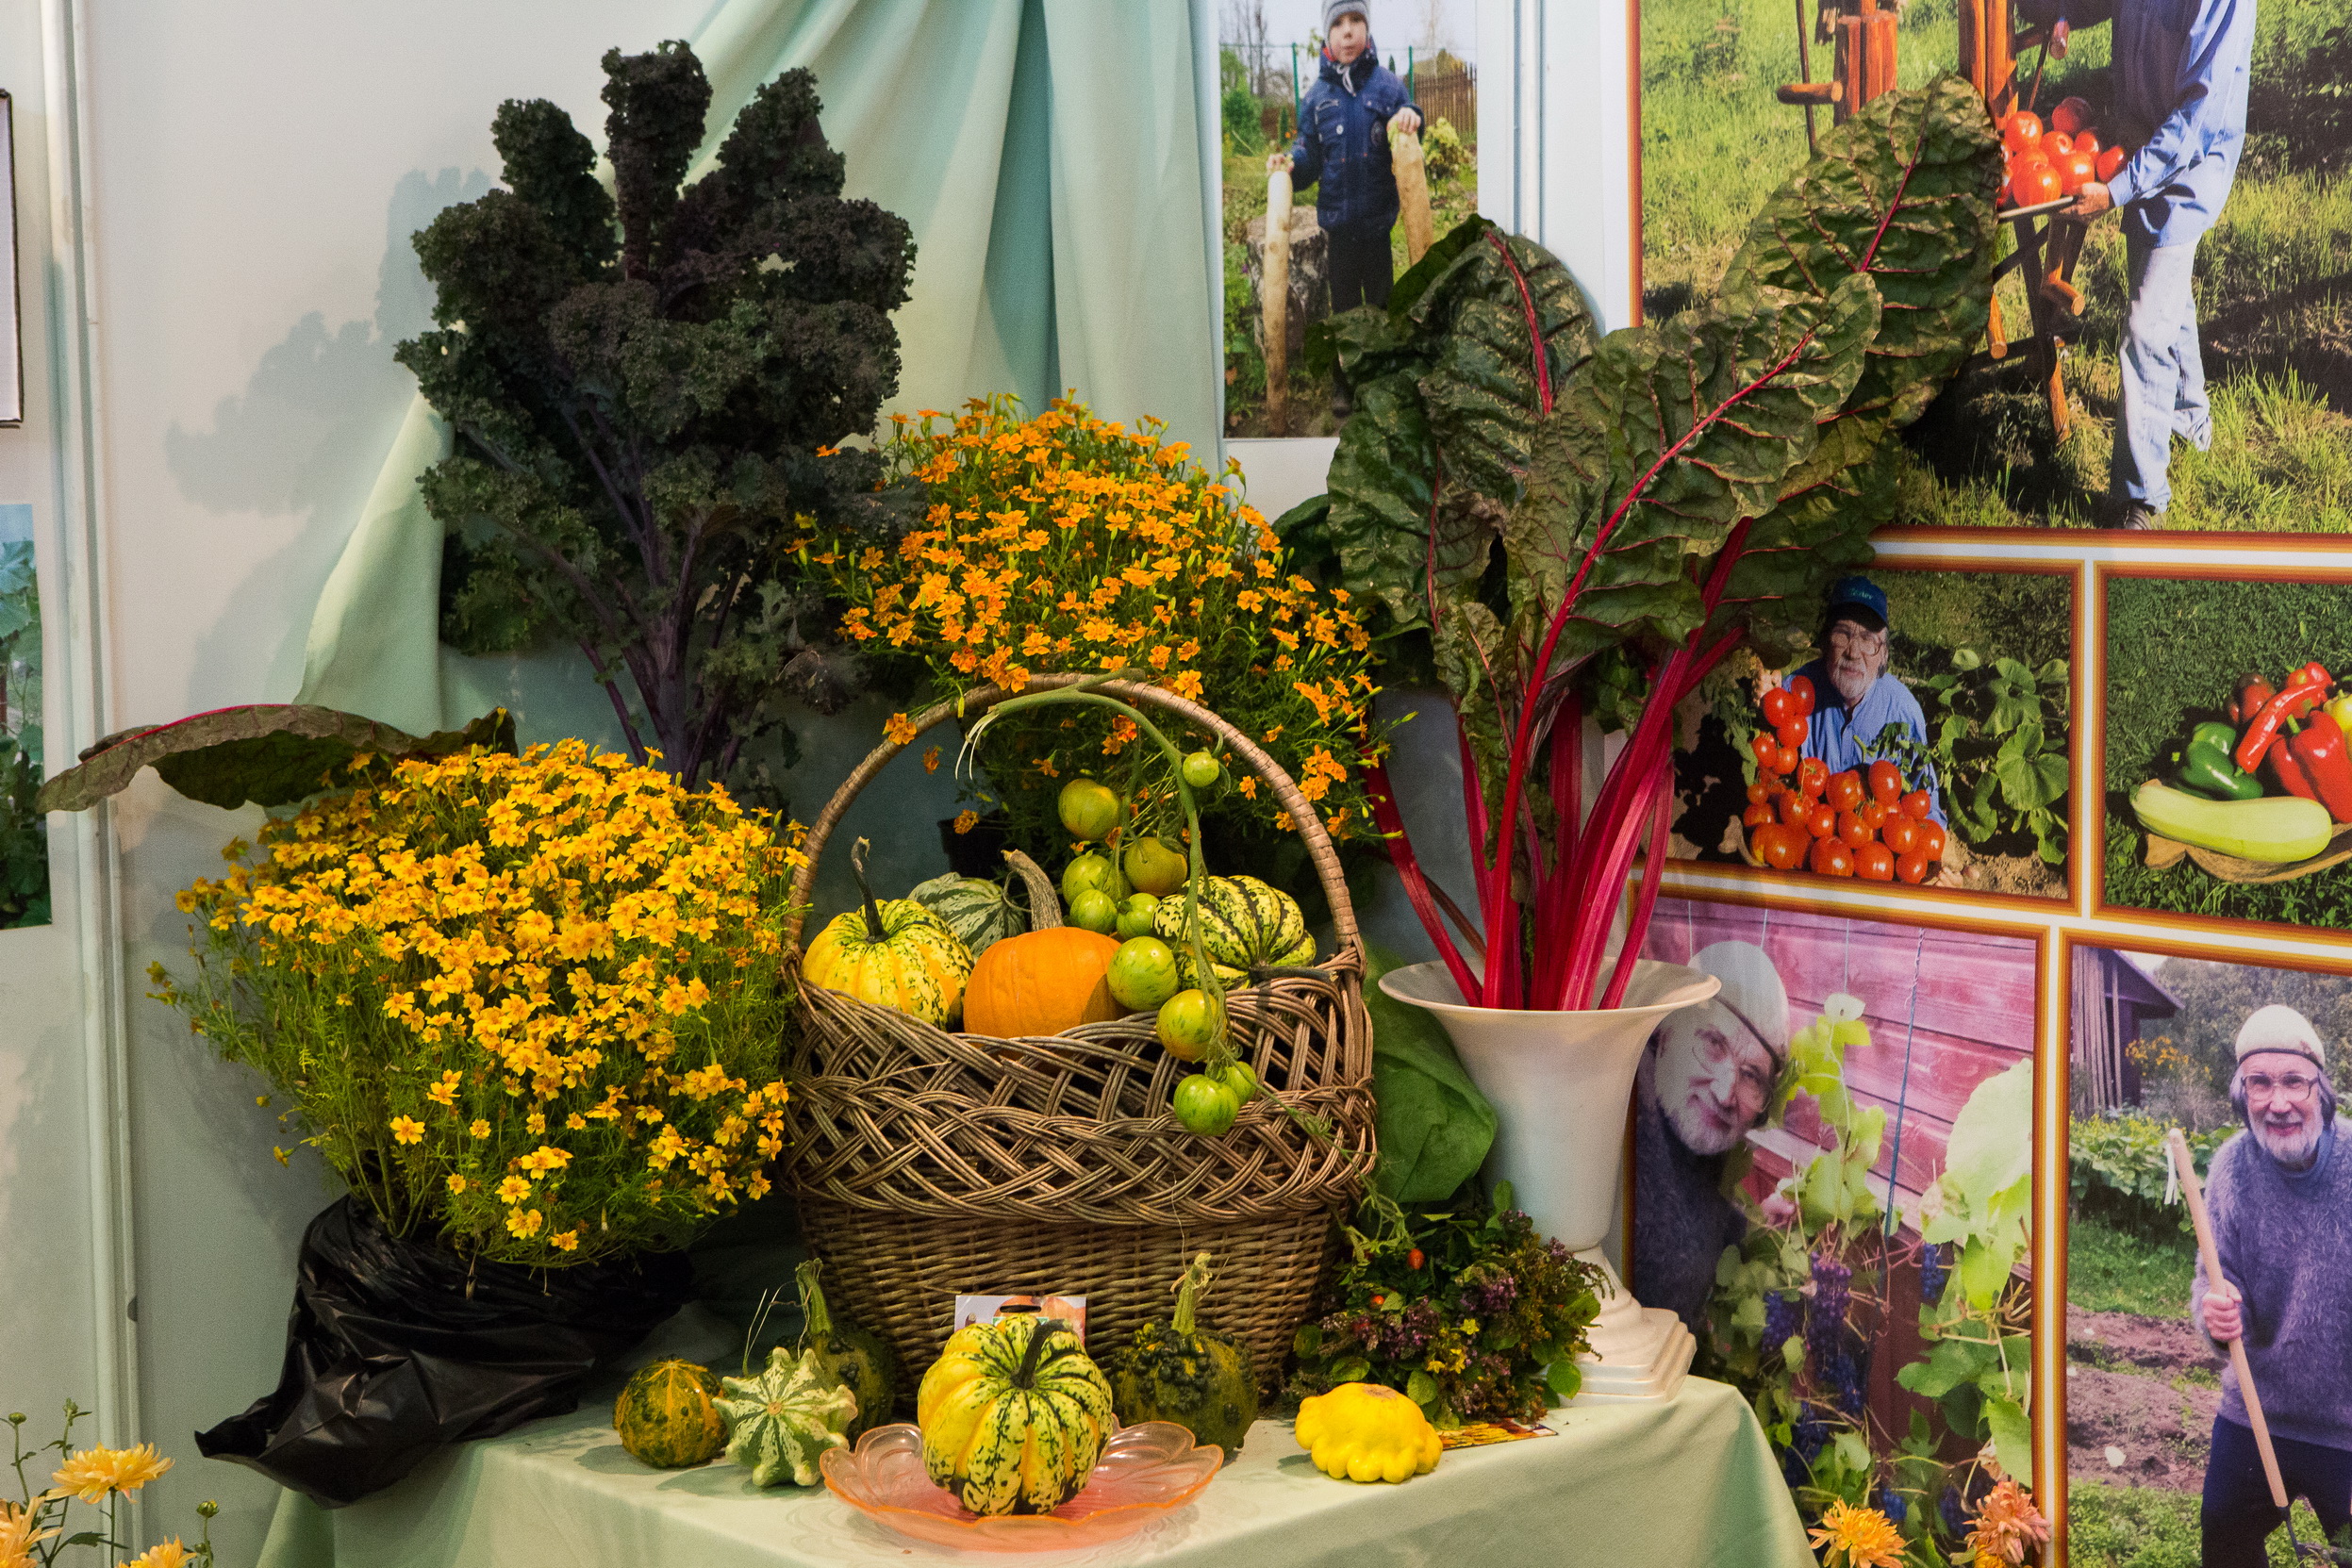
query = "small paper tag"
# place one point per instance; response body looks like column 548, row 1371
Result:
column 980, row 1309
column 1478, row 1434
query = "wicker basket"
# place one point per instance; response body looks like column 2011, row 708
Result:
column 928, row 1164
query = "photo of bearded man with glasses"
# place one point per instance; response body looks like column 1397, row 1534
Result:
column 2281, row 1197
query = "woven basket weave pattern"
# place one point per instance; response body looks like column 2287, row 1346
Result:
column 929, row 1164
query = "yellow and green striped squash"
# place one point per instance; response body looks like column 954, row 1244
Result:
column 1014, row 1415
column 668, row 1415
column 894, row 954
column 781, row 1421
column 1245, row 924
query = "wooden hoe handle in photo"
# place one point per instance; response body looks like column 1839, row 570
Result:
column 2186, row 1169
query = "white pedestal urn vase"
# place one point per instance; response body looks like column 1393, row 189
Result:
column 1560, row 1083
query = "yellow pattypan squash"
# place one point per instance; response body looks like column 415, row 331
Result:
column 1364, row 1432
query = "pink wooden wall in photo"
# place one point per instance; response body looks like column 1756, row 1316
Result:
column 1962, row 1001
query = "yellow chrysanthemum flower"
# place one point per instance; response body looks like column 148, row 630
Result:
column 163, row 1554
column 89, row 1475
column 1850, row 1537
column 18, row 1538
column 408, row 1130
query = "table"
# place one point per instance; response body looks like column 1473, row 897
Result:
column 1690, row 1482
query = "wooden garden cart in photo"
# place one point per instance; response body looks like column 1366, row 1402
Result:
column 1863, row 41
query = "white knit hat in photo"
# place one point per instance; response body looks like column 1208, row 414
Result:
column 1751, row 990
column 2281, row 1028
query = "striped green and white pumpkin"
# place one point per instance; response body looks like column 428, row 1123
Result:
column 668, row 1415
column 1014, row 1415
column 981, row 913
column 1245, row 924
column 779, row 1422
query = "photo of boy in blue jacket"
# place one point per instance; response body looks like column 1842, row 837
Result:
column 1342, row 151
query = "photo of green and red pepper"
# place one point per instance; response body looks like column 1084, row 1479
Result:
column 2271, row 782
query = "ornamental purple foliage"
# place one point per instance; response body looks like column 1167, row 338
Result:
column 648, row 388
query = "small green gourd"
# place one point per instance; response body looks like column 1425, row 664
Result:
column 668, row 1415
column 779, row 1422
column 859, row 1358
column 1177, row 1370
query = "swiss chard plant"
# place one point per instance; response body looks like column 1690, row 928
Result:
column 1584, row 528
column 649, row 386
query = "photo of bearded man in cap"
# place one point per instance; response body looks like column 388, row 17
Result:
column 1706, row 1079
column 2280, row 1193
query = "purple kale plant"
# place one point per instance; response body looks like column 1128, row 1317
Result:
column 653, row 391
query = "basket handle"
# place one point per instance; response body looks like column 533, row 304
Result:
column 980, row 698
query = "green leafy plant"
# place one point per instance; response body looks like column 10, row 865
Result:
column 1591, row 528
column 2116, row 1166
column 649, row 386
column 1998, row 735
column 1465, row 1311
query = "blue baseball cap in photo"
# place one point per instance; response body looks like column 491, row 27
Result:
column 1859, row 591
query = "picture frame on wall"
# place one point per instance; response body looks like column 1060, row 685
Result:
column 11, row 308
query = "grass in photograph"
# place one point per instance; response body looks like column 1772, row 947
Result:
column 2273, row 288
column 2109, row 1270
column 2125, row 1526
column 2173, row 647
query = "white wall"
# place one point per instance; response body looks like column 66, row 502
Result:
column 254, row 171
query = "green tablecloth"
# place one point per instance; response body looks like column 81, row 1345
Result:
column 1688, row 1482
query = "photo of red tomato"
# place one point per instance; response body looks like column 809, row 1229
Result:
column 2056, row 144
column 1794, row 809
column 2089, row 143
column 2020, row 131
column 1780, row 708
column 1931, row 840
column 1874, row 863
column 1760, row 793
column 1902, row 834
column 1801, row 688
column 1756, row 816
column 1886, row 782
column 1822, row 823
column 2073, row 116
column 1853, row 831
column 1917, row 805
column 2031, row 184
column 2076, row 169
column 1785, row 851
column 1813, row 776
column 1874, row 813
column 1912, row 867
column 1792, row 734
column 2110, row 162
column 1844, row 791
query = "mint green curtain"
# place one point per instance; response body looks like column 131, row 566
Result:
column 1048, row 155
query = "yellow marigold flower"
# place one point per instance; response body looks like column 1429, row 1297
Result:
column 931, row 760
column 89, row 1475
column 408, row 1130
column 900, row 728
column 445, row 1092
column 456, row 1183
column 525, row 1222
column 1850, row 1537
column 568, row 1241
column 514, row 1189
column 479, row 1129
column 281, row 1154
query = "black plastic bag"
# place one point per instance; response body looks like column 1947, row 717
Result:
column 397, row 1347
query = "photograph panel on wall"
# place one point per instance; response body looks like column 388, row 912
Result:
column 2172, row 347
column 1349, row 143
column 1922, row 738
column 2228, row 791
column 1833, row 1179
column 2248, row 1062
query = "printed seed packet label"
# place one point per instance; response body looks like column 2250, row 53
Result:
column 1478, row 1434
column 980, row 1309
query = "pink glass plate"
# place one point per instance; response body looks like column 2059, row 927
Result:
column 1146, row 1472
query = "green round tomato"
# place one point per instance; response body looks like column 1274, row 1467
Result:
column 1094, row 873
column 1094, row 910
column 1155, row 865
column 1089, row 809
column 1201, row 770
column 1134, row 915
column 1205, row 1105
column 1235, row 1075
column 1143, row 973
column 1188, row 1025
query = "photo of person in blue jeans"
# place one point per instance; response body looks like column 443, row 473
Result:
column 1341, row 150
column 2179, row 80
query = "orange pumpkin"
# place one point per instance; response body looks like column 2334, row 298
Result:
column 1052, row 977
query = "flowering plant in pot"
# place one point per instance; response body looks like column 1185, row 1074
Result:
column 1584, row 528
column 528, row 1009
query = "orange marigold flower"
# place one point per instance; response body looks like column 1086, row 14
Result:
column 966, row 820
column 900, row 728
